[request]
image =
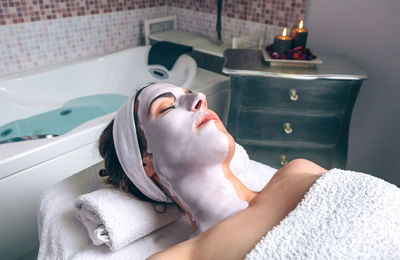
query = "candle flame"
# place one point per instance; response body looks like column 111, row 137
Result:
column 301, row 24
column 284, row 32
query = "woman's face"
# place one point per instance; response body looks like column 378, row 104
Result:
column 181, row 132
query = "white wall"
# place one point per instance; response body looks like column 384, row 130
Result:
column 368, row 31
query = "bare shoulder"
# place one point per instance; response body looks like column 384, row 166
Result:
column 290, row 182
column 302, row 166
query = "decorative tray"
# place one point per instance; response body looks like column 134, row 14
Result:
column 290, row 63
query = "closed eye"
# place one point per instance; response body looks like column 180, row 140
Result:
column 166, row 109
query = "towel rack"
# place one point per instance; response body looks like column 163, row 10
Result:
column 148, row 22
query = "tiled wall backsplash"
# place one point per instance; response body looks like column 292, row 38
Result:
column 274, row 12
column 204, row 23
column 36, row 33
column 31, row 45
column 24, row 11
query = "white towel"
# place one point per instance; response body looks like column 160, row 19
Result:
column 345, row 215
column 165, row 237
column 115, row 218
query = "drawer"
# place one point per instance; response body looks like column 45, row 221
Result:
column 315, row 95
column 278, row 156
column 260, row 125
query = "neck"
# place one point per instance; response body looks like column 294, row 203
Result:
column 209, row 195
column 243, row 192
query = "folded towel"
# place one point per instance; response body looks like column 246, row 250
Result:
column 166, row 53
column 116, row 218
column 345, row 215
column 165, row 237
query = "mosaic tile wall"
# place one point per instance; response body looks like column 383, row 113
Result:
column 23, row 11
column 204, row 23
column 274, row 12
column 31, row 45
column 36, row 33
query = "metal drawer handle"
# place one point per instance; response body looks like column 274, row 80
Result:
column 288, row 129
column 293, row 95
column 283, row 160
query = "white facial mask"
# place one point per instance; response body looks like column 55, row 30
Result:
column 187, row 159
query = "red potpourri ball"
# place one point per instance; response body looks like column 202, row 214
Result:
column 298, row 53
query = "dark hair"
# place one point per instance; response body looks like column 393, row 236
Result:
column 113, row 171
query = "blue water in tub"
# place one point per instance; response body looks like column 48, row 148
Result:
column 59, row 121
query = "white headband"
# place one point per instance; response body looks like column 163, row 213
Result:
column 128, row 152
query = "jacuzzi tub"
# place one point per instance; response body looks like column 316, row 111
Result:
column 26, row 96
column 27, row 168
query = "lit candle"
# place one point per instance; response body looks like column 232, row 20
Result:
column 282, row 43
column 299, row 36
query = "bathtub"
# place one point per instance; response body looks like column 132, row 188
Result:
column 29, row 167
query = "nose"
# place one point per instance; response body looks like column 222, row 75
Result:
column 196, row 101
column 198, row 105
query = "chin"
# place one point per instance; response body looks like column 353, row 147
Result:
column 217, row 145
column 231, row 146
column 220, row 126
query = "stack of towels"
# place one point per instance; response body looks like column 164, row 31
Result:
column 116, row 218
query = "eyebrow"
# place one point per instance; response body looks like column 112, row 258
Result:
column 167, row 94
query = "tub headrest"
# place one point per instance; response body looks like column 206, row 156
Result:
column 166, row 53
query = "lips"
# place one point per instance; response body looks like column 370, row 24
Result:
column 207, row 117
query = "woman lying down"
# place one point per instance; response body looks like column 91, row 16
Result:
column 165, row 145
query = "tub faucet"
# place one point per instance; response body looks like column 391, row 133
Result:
column 218, row 27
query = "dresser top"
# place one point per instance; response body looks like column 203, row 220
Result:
column 247, row 62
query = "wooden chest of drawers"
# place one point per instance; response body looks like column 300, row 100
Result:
column 282, row 113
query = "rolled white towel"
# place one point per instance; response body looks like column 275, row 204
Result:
column 116, row 218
